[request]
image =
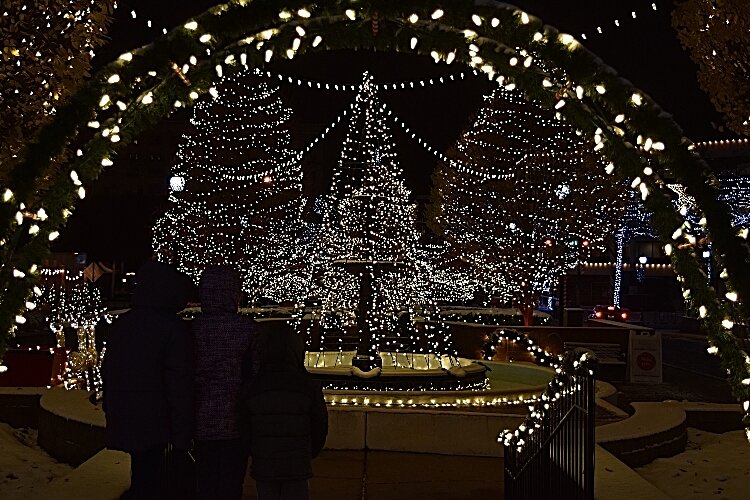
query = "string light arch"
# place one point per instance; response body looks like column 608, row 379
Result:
column 514, row 48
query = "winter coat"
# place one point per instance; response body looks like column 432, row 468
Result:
column 148, row 366
column 284, row 413
column 220, row 340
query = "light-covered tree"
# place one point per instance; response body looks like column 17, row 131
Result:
column 366, row 269
column 523, row 198
column 236, row 191
column 47, row 50
column 716, row 33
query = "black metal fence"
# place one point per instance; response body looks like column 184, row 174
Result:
column 551, row 456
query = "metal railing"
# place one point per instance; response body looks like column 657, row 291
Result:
column 551, row 456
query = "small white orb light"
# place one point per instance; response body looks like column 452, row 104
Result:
column 176, row 183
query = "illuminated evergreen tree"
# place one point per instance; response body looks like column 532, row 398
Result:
column 236, row 191
column 366, row 272
column 522, row 199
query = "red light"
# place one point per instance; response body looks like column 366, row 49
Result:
column 599, row 314
column 585, row 243
column 624, row 315
column 548, row 242
column 610, row 308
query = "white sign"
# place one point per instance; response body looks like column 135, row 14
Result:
column 644, row 356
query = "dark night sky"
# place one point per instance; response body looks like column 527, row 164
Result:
column 644, row 50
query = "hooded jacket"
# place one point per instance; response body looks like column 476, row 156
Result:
column 284, row 413
column 220, row 339
column 148, row 367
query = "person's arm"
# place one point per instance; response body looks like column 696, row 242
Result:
column 105, row 379
column 319, row 420
column 178, row 374
column 251, row 358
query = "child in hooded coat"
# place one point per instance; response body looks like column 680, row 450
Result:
column 221, row 338
column 285, row 419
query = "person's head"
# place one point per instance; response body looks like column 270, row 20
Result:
column 282, row 350
column 161, row 286
column 220, row 290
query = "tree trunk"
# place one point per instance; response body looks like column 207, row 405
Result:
column 527, row 311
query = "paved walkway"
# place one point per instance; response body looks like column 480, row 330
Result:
column 359, row 475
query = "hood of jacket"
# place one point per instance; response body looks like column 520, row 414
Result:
column 160, row 286
column 282, row 350
column 220, row 290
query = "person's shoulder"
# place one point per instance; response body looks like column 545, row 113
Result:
column 315, row 386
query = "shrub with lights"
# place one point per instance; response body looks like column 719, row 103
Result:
column 130, row 95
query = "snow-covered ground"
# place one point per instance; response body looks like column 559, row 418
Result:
column 712, row 466
column 24, row 467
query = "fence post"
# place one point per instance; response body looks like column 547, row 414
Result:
column 590, row 423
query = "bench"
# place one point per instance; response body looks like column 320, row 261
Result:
column 606, row 353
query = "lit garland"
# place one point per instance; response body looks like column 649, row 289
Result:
column 133, row 93
column 542, row 356
column 617, row 23
column 568, row 377
column 342, row 87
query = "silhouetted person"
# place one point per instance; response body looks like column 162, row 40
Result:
column 285, row 417
column 148, row 378
column 221, row 338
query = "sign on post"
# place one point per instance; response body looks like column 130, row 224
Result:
column 644, row 357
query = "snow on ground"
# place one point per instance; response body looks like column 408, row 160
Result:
column 712, row 466
column 24, row 466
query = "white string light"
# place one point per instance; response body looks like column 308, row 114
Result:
column 633, row 16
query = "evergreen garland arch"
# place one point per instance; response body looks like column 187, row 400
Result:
column 131, row 94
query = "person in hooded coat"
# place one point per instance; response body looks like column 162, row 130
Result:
column 284, row 417
column 147, row 374
column 221, row 339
